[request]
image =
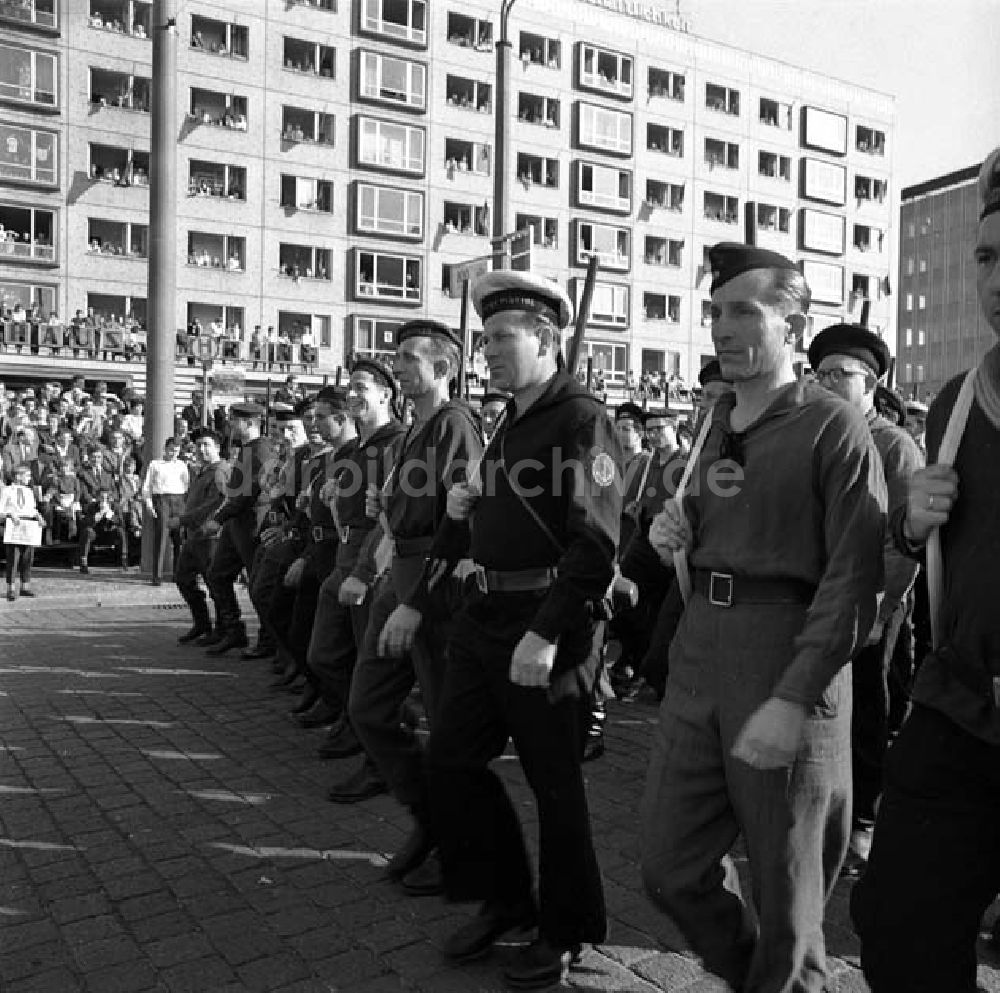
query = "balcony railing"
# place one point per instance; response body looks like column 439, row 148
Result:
column 32, row 251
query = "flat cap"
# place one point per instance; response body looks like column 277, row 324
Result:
column 335, row 396
column 711, row 372
column 629, row 411
column 989, row 184
column 247, row 410
column 509, row 289
column 378, row 372
column 850, row 339
column 730, row 259
column 423, row 327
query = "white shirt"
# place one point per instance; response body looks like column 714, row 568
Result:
column 165, row 478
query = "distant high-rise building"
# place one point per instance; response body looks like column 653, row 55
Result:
column 941, row 330
column 335, row 160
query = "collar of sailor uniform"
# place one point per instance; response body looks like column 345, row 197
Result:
column 987, row 385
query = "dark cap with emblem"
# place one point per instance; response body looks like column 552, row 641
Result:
column 509, row 289
column 496, row 396
column 335, row 396
column 198, row 433
column 854, row 340
column 306, row 403
column 711, row 372
column 379, row 373
column 423, row 327
column 989, row 184
column 629, row 411
column 729, row 259
column 246, row 410
column 283, row 413
column 659, row 414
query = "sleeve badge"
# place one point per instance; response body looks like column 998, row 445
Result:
column 602, row 469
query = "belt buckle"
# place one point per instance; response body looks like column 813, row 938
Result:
column 345, row 534
column 317, row 533
column 272, row 516
column 480, row 573
column 720, row 589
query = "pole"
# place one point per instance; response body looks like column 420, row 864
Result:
column 205, row 366
column 463, row 330
column 582, row 316
column 161, row 337
column 500, row 128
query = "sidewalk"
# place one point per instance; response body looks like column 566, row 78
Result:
column 163, row 827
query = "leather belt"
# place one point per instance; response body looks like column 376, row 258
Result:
column 513, row 580
column 322, row 532
column 723, row 589
column 408, row 547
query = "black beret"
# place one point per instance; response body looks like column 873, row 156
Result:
column 729, row 259
column 283, row 412
column 423, row 327
column 629, row 412
column 850, row 339
column 198, row 433
column 496, row 396
column 246, row 410
column 378, row 372
column 659, row 413
column 711, row 372
column 303, row 405
column 335, row 396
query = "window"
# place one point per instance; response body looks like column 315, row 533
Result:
column 660, row 138
column 537, row 170
column 859, row 286
column 722, row 154
column 909, row 337
column 869, row 140
column 774, row 166
column 923, row 265
column 330, row 5
column 605, row 71
column 663, row 251
column 665, row 84
column 921, row 302
column 27, row 76
column 29, row 234
column 910, row 264
column 37, row 13
column 466, row 156
column 822, row 231
column 309, row 57
column 532, row 108
column 722, row 98
column 466, row 218
column 386, row 145
column 609, row 304
column 661, row 307
column 776, row 114
column 909, row 301
column 220, row 37
column 120, row 166
column 920, row 372
column 868, row 239
column 544, row 230
column 224, row 110
column 469, row 94
column 304, row 261
column 304, row 193
column 216, row 251
column 206, row 314
column 119, row 89
column 213, row 179
column 389, row 210
column 921, row 338
column 397, row 82
column 134, row 17
column 298, row 326
column 612, row 245
column 534, row 49
column 470, row 32
column 372, row 337
column 397, row 20
column 660, row 194
column 380, row 276
column 604, row 129
column 117, row 238
column 298, row 124
column 868, row 189
column 28, row 155
column 110, row 307
column 607, row 358
column 604, row 187
column 722, row 208
column 771, row 218
column 824, row 130
column 909, row 372
column 28, row 294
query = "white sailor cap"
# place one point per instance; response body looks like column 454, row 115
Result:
column 509, row 289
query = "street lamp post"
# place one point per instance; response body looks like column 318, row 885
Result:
column 500, row 130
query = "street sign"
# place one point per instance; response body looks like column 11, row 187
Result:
column 228, row 381
column 470, row 270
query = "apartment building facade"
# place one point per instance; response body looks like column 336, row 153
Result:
column 334, row 166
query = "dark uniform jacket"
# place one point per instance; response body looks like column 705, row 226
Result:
column 244, row 485
column 204, row 496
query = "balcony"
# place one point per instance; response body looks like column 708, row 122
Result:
column 299, row 125
column 131, row 17
column 119, row 90
column 222, row 110
column 27, row 235
column 40, row 14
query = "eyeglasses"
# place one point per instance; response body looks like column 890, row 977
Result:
column 836, row 376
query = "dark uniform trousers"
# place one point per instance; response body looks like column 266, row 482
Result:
column 266, row 577
column 483, row 854
column 195, row 560
column 938, row 822
column 302, row 615
column 235, row 551
column 724, row 663
column 380, row 685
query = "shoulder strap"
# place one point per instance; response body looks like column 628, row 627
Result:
column 680, row 556
column 946, row 456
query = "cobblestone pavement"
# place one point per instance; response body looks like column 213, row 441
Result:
column 163, row 827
